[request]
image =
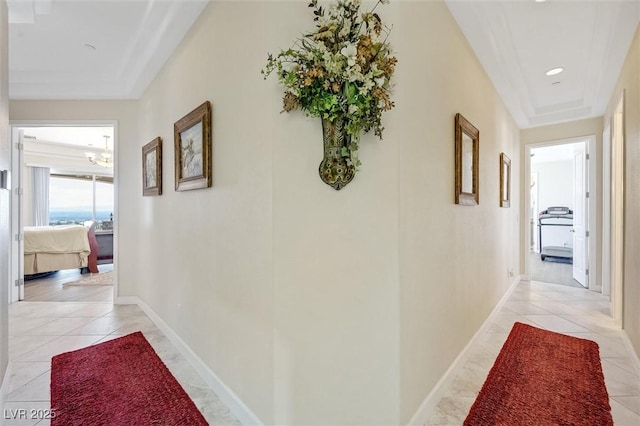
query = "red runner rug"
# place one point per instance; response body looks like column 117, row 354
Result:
column 543, row 378
column 118, row 382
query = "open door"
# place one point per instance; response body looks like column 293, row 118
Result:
column 17, row 247
column 580, row 219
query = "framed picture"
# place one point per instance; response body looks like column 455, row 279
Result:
column 152, row 168
column 467, row 141
column 505, row 180
column 192, row 136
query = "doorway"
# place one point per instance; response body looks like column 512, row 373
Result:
column 560, row 212
column 64, row 175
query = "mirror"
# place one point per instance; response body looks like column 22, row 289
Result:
column 467, row 162
column 505, row 180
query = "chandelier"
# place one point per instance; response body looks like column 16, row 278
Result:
column 106, row 158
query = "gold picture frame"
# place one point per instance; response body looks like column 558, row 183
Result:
column 152, row 168
column 467, row 151
column 505, row 180
column 192, row 148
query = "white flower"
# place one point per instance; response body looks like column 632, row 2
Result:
column 380, row 81
column 367, row 85
column 354, row 73
column 349, row 52
column 353, row 109
column 346, row 28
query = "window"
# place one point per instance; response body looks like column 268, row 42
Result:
column 75, row 199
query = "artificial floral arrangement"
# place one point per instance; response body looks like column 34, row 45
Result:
column 341, row 72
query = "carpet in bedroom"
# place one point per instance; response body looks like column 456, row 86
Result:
column 102, row 278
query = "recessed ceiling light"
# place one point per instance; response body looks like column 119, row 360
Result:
column 554, row 71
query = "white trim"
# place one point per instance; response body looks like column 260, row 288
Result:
column 4, row 389
column 425, row 411
column 605, row 270
column 617, row 195
column 634, row 356
column 126, row 300
column 231, row 400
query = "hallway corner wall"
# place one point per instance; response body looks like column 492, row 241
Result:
column 629, row 84
column 5, row 210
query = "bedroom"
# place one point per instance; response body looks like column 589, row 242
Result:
column 66, row 212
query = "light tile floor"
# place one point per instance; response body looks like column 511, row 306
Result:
column 573, row 311
column 39, row 330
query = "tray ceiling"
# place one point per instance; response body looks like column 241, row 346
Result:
column 92, row 49
column 112, row 49
column 517, row 41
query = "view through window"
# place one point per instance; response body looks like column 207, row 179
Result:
column 71, row 199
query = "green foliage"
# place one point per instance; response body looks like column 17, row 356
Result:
column 342, row 69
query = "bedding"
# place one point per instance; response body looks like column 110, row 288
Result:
column 56, row 239
column 52, row 248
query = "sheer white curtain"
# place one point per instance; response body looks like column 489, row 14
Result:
column 40, row 204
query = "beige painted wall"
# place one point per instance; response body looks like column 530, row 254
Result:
column 629, row 83
column 454, row 260
column 5, row 211
column 299, row 306
column 559, row 132
column 316, row 306
column 209, row 253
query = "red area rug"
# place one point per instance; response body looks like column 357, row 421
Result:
column 118, row 382
column 543, row 378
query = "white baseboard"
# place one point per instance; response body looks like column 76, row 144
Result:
column 4, row 388
column 126, row 300
column 231, row 400
column 634, row 356
column 429, row 404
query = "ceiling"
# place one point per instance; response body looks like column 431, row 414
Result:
column 92, row 49
column 517, row 41
column 79, row 136
column 64, row 149
column 112, row 49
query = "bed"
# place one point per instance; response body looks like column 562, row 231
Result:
column 53, row 248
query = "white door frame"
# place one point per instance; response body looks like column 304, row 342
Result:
column 606, row 210
column 16, row 281
column 594, row 283
column 15, row 228
column 616, row 202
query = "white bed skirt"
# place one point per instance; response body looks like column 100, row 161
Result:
column 35, row 263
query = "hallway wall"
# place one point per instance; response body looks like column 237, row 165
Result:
column 455, row 261
column 316, row 306
column 629, row 83
column 336, row 276
column 5, row 211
